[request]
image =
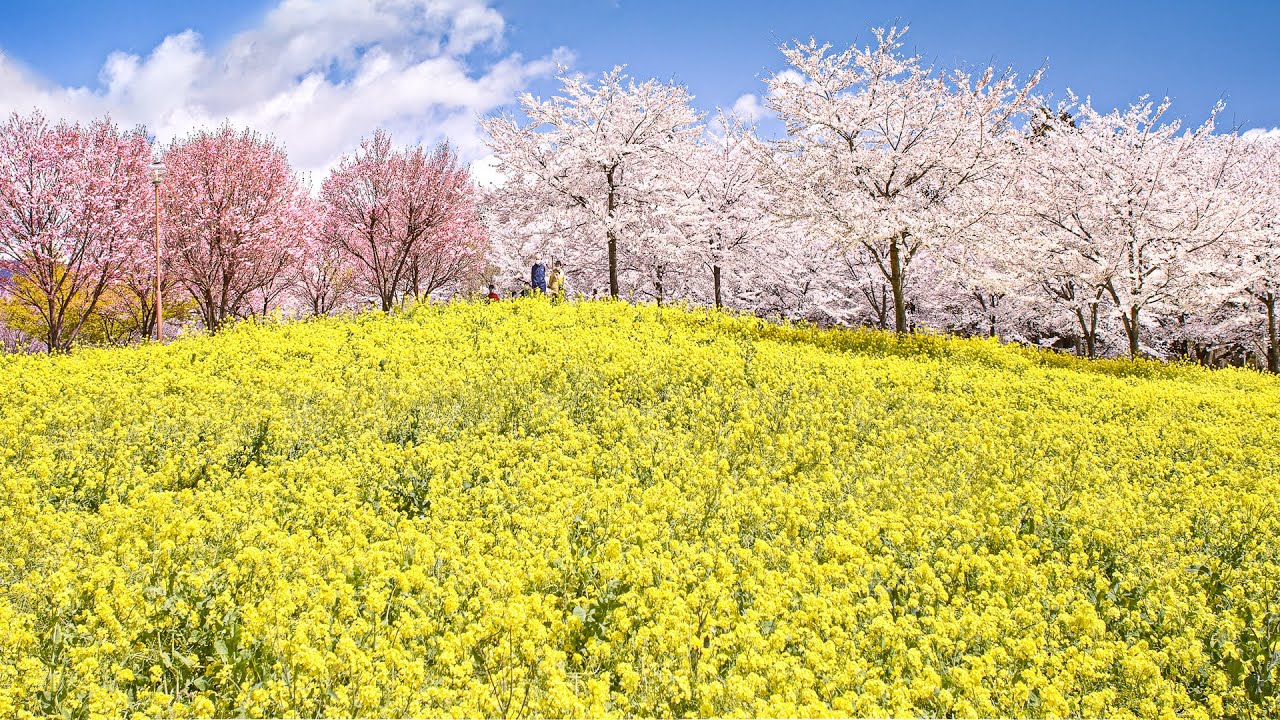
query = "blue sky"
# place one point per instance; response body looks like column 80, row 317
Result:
column 1195, row 52
column 1115, row 51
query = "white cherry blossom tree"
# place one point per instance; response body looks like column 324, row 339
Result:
column 1126, row 206
column 598, row 166
column 885, row 152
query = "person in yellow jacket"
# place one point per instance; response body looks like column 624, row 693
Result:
column 555, row 283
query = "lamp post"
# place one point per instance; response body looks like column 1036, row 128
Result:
column 157, row 176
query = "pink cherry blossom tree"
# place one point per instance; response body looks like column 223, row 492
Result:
column 327, row 278
column 73, row 201
column 137, row 286
column 235, row 218
column 406, row 218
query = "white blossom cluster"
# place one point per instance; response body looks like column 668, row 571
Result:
column 906, row 197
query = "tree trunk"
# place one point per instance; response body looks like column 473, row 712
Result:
column 147, row 320
column 1088, row 330
column 1129, row 319
column 613, row 265
column 1273, row 349
column 210, row 315
column 1093, row 324
column 613, row 237
column 1131, row 329
column 715, row 276
column 895, row 279
column 1082, row 344
column 54, row 335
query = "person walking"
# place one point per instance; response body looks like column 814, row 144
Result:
column 538, row 277
column 556, row 284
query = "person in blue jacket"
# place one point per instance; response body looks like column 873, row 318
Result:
column 539, row 277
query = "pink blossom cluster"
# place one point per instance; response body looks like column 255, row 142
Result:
column 240, row 232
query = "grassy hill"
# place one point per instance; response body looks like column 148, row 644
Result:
column 527, row 509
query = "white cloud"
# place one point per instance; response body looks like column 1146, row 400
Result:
column 748, row 107
column 1259, row 133
column 316, row 74
column 791, row 77
column 486, row 172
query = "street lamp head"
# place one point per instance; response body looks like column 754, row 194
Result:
column 157, row 172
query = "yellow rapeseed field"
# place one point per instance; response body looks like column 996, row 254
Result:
column 526, row 509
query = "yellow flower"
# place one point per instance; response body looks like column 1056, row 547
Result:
column 602, row 509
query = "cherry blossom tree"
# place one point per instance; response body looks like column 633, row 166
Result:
column 794, row 274
column 136, row 290
column 235, row 218
column 454, row 254
column 725, row 212
column 1126, row 205
column 1249, row 263
column 604, row 160
column 327, row 278
column 406, row 218
column 887, row 153
column 1060, row 288
column 282, row 271
column 1054, row 278
column 73, row 200
column 980, row 289
column 1264, row 258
